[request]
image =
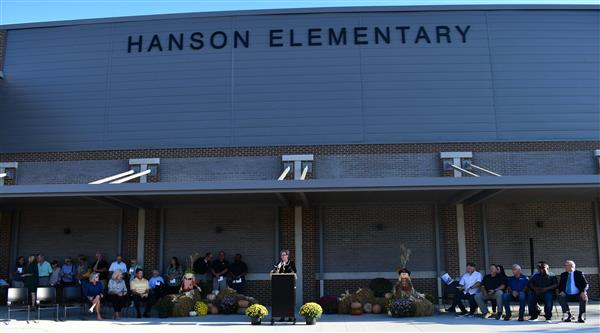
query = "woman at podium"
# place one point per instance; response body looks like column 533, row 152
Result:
column 285, row 265
column 283, row 293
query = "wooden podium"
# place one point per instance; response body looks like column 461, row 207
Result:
column 283, row 296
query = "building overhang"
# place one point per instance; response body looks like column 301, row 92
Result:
column 467, row 190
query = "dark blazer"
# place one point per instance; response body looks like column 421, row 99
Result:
column 580, row 281
column 289, row 268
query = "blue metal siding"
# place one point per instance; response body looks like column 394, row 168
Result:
column 522, row 76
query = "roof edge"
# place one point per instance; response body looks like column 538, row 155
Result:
column 294, row 11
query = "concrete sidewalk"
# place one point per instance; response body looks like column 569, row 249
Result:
column 328, row 323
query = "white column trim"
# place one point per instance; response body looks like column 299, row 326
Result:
column 460, row 232
column 141, row 232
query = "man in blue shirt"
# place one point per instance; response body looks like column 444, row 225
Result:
column 516, row 291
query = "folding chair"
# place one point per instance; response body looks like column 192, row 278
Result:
column 18, row 297
column 72, row 299
column 45, row 299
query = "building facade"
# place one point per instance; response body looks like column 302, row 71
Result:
column 465, row 133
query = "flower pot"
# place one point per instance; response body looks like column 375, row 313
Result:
column 310, row 320
column 255, row 320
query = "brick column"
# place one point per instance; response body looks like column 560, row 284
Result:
column 129, row 245
column 473, row 236
column 286, row 230
column 310, row 249
column 449, row 239
column 152, row 241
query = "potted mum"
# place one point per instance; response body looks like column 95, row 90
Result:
column 256, row 312
column 311, row 311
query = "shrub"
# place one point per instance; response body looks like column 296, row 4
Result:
column 228, row 305
column 256, row 311
column 402, row 307
column 311, row 310
column 329, row 304
column 164, row 306
column 380, row 286
column 183, row 306
column 201, row 308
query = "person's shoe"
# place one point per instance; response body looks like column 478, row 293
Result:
column 462, row 314
column 534, row 318
column 581, row 319
column 451, row 310
column 567, row 317
column 506, row 317
column 498, row 316
column 521, row 319
column 486, row 315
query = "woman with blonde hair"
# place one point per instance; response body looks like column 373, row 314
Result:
column 117, row 293
column 93, row 291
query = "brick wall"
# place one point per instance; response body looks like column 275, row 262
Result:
column 130, row 226
column 561, row 230
column 337, row 287
column 152, row 241
column 310, row 254
column 286, row 231
column 371, row 236
column 249, row 231
column 91, row 230
column 474, row 235
column 5, row 243
column 556, row 146
column 449, row 240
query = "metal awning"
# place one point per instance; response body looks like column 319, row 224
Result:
column 319, row 191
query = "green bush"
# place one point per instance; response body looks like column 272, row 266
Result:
column 256, row 311
column 311, row 310
column 164, row 306
column 380, row 286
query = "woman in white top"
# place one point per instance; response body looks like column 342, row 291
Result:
column 117, row 293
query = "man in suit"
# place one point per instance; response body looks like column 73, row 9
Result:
column 572, row 288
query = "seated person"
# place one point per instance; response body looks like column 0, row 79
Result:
column 68, row 273
column 467, row 288
column 118, row 264
column 573, row 287
column 492, row 288
column 541, row 287
column 202, row 268
column 220, row 269
column 157, row 285
column 238, row 270
column 117, row 293
column 93, row 291
column 174, row 275
column 140, row 291
column 516, row 290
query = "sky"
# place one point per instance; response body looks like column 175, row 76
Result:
column 24, row 11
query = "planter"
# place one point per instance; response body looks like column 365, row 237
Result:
column 255, row 320
column 356, row 312
column 310, row 320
